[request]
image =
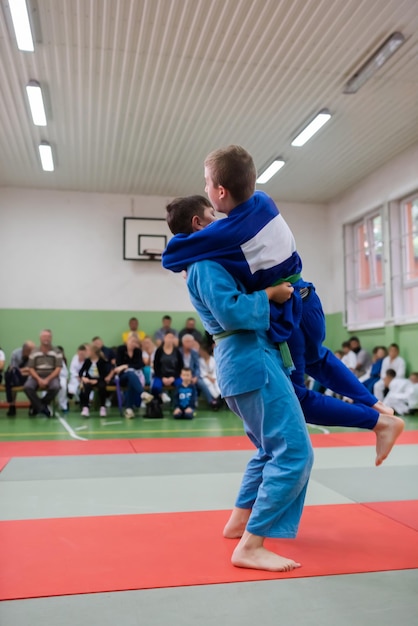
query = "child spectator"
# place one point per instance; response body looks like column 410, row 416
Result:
column 190, row 352
column 75, row 367
column 349, row 357
column 394, row 362
column 168, row 364
column 129, row 368
column 208, row 374
column 400, row 393
column 92, row 376
column 379, row 353
column 148, row 355
column 62, row 396
column 185, row 397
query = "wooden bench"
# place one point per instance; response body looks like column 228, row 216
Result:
column 109, row 388
column 19, row 405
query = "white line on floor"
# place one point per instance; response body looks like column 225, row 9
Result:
column 68, row 428
column 105, row 423
column 81, row 427
column 321, row 428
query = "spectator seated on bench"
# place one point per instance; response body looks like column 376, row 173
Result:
column 93, row 374
column 129, row 368
column 185, row 396
column 44, row 366
column 168, row 364
column 17, row 374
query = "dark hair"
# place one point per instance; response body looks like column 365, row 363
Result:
column 181, row 211
column 82, row 346
column 394, row 345
column 186, row 369
column 233, row 168
column 167, row 317
column 133, row 319
column 61, row 349
column 345, row 344
column 354, row 339
column 97, row 337
column 390, row 373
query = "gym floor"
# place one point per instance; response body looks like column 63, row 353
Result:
column 138, row 506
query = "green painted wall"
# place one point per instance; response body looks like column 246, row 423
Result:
column 405, row 336
column 70, row 328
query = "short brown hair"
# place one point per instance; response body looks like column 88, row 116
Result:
column 233, row 168
column 181, row 211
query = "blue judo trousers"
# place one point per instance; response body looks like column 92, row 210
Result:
column 257, row 388
column 256, row 246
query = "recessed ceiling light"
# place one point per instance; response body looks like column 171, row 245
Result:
column 21, row 24
column 270, row 171
column 36, row 103
column 309, row 131
column 45, row 152
column 375, row 62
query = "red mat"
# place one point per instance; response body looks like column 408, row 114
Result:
column 3, row 462
column 65, row 448
column 181, row 444
column 98, row 554
column 405, row 512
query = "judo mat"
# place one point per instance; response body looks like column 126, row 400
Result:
column 10, row 449
column 61, row 556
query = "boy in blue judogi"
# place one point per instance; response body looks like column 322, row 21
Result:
column 185, row 397
column 256, row 246
column 256, row 386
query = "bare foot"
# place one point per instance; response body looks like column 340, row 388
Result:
column 383, row 409
column 235, row 526
column 387, row 429
column 251, row 554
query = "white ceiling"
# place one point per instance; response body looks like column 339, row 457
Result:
column 139, row 91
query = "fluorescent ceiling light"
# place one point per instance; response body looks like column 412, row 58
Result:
column 272, row 169
column 374, row 63
column 45, row 152
column 312, row 128
column 36, row 103
column 21, row 24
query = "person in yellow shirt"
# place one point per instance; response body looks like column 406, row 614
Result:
column 133, row 328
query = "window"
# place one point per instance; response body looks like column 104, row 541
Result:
column 404, row 255
column 410, row 218
column 364, row 261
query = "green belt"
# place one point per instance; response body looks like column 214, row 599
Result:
column 290, row 279
column 282, row 345
column 285, row 354
column 227, row 333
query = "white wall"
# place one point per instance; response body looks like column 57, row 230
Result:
column 309, row 225
column 393, row 181
column 63, row 250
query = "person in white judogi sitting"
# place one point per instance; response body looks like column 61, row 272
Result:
column 401, row 394
column 394, row 362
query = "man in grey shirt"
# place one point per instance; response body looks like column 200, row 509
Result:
column 44, row 366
